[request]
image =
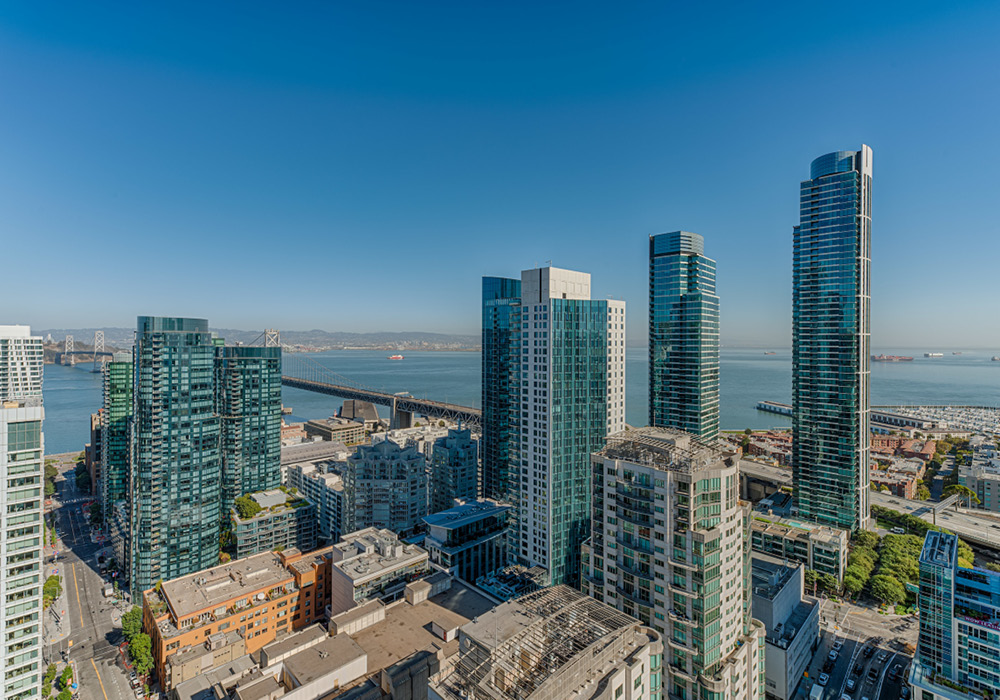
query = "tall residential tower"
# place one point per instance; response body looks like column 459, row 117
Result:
column 22, row 530
column 683, row 335
column 830, row 340
column 570, row 395
column 501, row 322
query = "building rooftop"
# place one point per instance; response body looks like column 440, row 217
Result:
column 216, row 587
column 369, row 552
column 940, row 549
column 292, row 642
column 770, row 575
column 792, row 527
column 665, row 449
column 466, row 513
column 317, row 451
column 272, row 502
column 319, row 660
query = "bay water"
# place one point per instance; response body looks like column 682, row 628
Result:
column 747, row 376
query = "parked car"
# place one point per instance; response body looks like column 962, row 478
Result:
column 883, row 657
column 868, row 652
column 823, row 679
column 851, row 685
column 838, row 645
column 858, row 668
column 833, row 655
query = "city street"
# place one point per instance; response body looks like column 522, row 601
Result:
column 87, row 633
column 854, row 625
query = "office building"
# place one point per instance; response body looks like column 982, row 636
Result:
column 258, row 599
column 22, row 451
column 386, row 486
column 959, row 641
column 554, row 644
column 501, row 335
column 326, row 491
column 176, row 485
column 117, row 417
column 248, row 401
column 669, row 546
column 454, row 469
column 683, row 336
column 336, row 429
column 570, row 396
column 791, row 621
column 830, row 340
column 469, row 540
column 373, row 564
column 283, row 521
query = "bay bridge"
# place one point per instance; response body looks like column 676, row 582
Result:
column 69, row 354
column 304, row 373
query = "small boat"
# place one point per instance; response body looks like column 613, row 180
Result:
column 770, row 352
column 395, row 357
column 891, row 358
column 956, row 353
column 933, row 354
column 995, row 358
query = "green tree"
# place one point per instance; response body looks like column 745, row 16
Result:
column 963, row 492
column 50, row 674
column 50, row 488
column 51, row 590
column 246, row 507
column 992, row 566
column 852, row 584
column 864, row 538
column 66, row 678
column 132, row 623
column 810, row 579
column 887, row 589
column 140, row 652
column 96, row 516
column 827, row 582
column 923, row 493
column 64, row 694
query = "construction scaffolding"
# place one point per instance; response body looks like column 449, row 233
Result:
column 542, row 646
column 663, row 448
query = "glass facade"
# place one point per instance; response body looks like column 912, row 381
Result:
column 22, row 530
column 830, row 340
column 176, row 489
column 501, row 302
column 115, row 428
column 683, row 336
column 248, row 396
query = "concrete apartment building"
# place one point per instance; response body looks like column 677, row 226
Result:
column 327, row 492
column 373, row 564
column 791, row 621
column 22, row 451
column 260, row 598
column 284, row 521
column 454, row 469
column 667, row 546
column 336, row 429
column 819, row 547
column 469, row 540
column 386, row 486
column 983, row 475
column 554, row 644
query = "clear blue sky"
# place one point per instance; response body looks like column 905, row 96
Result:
column 360, row 166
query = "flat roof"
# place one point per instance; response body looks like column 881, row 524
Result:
column 770, row 575
column 209, row 589
column 294, row 641
column 323, row 658
column 665, row 449
column 406, row 628
column 465, row 513
column 312, row 451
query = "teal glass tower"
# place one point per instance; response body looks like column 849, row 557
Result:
column 830, row 340
column 683, row 336
column 116, row 426
column 501, row 321
column 248, row 401
column 175, row 486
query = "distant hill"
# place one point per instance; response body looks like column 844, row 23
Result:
column 406, row 340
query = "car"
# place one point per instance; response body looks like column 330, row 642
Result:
column 132, row 676
column 823, row 679
column 873, row 674
column 827, row 666
column 868, row 652
column 838, row 645
column 833, row 655
column 904, row 692
column 858, row 668
column 894, row 673
column 851, row 684
column 845, row 696
column 883, row 657
column 898, row 531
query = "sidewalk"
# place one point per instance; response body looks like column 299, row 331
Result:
column 56, row 620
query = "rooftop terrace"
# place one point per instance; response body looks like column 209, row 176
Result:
column 665, row 449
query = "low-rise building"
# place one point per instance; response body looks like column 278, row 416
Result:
column 982, row 477
column 899, row 484
column 554, row 644
column 259, row 598
column 336, row 429
column 373, row 563
column 285, row 520
column 791, row 621
column 959, row 641
column 818, row 547
column 469, row 540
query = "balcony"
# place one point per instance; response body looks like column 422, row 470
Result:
column 640, row 494
column 636, row 596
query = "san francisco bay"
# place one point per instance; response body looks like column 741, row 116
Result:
column 747, row 376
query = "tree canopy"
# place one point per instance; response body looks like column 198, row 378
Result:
column 140, row 652
column 246, row 507
column 132, row 623
column 887, row 589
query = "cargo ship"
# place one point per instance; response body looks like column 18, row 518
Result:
column 395, row 357
column 891, row 358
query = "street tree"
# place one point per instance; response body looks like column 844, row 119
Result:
column 140, row 653
column 132, row 623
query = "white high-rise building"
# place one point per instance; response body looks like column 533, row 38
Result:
column 21, row 459
column 671, row 546
column 570, row 396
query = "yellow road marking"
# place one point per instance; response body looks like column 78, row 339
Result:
column 79, row 606
column 99, row 679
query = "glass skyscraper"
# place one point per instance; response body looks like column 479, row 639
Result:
column 248, row 401
column 115, row 428
column 176, row 486
column 22, row 531
column 683, row 336
column 830, row 340
column 501, row 320
column 569, row 395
